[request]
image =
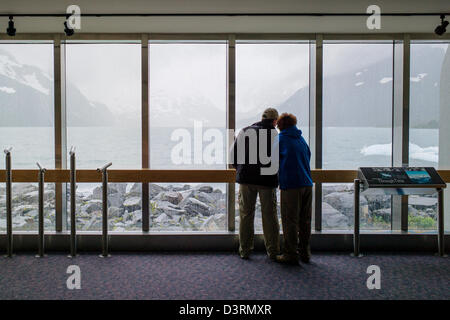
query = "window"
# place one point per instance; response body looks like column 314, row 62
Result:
column 357, row 125
column 426, row 99
column 271, row 74
column 103, row 101
column 26, row 124
column 188, row 98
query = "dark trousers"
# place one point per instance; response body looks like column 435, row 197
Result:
column 247, row 202
column 296, row 209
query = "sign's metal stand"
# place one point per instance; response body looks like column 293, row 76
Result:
column 396, row 181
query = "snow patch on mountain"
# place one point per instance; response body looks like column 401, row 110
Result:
column 8, row 90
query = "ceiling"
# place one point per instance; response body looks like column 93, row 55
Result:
column 243, row 24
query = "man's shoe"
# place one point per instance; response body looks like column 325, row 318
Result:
column 272, row 257
column 287, row 259
column 305, row 255
column 244, row 256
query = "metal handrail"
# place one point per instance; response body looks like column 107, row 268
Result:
column 73, row 187
column 41, row 211
column 104, row 171
column 9, row 235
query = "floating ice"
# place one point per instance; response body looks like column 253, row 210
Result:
column 430, row 154
column 386, row 80
column 359, row 84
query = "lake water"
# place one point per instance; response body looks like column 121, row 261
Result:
column 343, row 148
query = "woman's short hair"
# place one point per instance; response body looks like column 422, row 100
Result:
column 286, row 120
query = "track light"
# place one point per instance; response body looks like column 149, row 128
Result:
column 11, row 31
column 440, row 30
column 69, row 31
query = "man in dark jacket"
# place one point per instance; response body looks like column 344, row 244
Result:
column 255, row 175
column 296, row 190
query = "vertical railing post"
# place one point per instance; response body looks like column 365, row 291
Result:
column 41, row 212
column 356, row 235
column 104, row 172
column 73, row 188
column 9, row 236
column 441, row 239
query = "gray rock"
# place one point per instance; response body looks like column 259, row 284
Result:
column 136, row 190
column 114, row 212
column 332, row 218
column 23, row 188
column 133, row 203
column 115, row 199
column 33, row 196
column 204, row 197
column 169, row 196
column 93, row 205
column 162, row 218
column 155, row 189
column 194, row 207
column 206, row 189
column 166, row 207
column 343, row 202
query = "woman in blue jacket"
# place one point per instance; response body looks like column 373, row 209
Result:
column 296, row 190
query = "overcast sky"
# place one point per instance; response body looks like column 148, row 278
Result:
column 267, row 74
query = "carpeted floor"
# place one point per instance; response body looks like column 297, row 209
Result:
column 224, row 276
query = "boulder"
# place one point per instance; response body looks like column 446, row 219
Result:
column 166, row 207
column 169, row 196
column 93, row 205
column 115, row 199
column 206, row 189
column 135, row 190
column 342, row 202
column 162, row 218
column 155, row 189
column 194, row 207
column 132, row 204
column 332, row 218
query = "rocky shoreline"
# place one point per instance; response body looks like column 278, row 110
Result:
column 176, row 208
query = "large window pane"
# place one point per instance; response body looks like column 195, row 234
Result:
column 103, row 96
column 274, row 74
column 357, row 125
column 188, row 97
column 27, row 125
column 427, row 72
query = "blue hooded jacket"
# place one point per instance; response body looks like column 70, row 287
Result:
column 294, row 171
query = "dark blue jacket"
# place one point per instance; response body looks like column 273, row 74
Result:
column 294, row 171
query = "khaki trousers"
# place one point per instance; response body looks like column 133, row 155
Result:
column 296, row 208
column 271, row 228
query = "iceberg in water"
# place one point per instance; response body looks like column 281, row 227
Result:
column 415, row 152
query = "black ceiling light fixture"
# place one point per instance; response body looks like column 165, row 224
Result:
column 442, row 28
column 69, row 31
column 11, row 31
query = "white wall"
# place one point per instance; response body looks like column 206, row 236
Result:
column 225, row 24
